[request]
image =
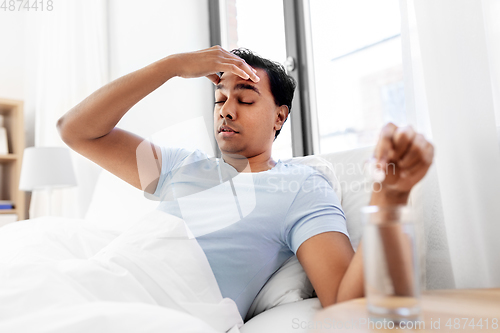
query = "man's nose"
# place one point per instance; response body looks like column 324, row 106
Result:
column 228, row 111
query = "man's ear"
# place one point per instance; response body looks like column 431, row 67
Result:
column 281, row 117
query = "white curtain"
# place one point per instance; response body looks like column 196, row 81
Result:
column 451, row 58
column 72, row 62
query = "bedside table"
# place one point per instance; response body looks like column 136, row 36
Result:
column 454, row 310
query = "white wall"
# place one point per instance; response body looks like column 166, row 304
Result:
column 12, row 55
column 142, row 33
column 139, row 34
column 16, row 64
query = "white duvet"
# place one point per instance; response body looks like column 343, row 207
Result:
column 67, row 275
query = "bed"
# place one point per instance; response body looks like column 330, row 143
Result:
column 106, row 273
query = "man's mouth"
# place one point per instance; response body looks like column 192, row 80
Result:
column 226, row 129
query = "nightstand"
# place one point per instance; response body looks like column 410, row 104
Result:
column 454, row 310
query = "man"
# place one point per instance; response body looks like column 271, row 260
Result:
column 252, row 103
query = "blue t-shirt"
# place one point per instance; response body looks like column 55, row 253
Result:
column 248, row 224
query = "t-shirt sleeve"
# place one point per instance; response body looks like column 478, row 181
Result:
column 315, row 209
column 171, row 158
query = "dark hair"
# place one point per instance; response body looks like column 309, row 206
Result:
column 282, row 84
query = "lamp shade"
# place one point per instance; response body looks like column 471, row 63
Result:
column 46, row 167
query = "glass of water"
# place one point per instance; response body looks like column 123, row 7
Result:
column 391, row 265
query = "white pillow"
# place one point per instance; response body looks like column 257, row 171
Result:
column 289, row 318
column 321, row 165
column 345, row 172
column 356, row 189
column 116, row 204
column 288, row 284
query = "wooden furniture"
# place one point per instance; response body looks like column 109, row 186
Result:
column 454, row 310
column 10, row 164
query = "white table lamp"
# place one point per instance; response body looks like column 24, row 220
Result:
column 46, row 168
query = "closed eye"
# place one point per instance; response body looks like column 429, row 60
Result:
column 222, row 102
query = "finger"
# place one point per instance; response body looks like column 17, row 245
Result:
column 214, row 78
column 403, row 137
column 411, row 158
column 242, row 64
column 415, row 152
column 255, row 78
column 422, row 164
column 235, row 70
column 225, row 57
column 430, row 153
column 384, row 145
column 415, row 173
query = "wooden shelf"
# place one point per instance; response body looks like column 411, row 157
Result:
column 8, row 157
column 10, row 164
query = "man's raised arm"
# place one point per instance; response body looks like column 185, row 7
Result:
column 89, row 127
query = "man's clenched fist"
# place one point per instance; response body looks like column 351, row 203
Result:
column 405, row 157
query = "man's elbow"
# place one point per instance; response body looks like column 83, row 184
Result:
column 62, row 130
column 334, row 299
column 327, row 299
column 69, row 129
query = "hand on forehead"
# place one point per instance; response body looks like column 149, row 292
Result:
column 228, row 62
column 230, row 81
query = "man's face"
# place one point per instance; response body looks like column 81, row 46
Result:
column 245, row 115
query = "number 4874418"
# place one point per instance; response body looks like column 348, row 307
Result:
column 27, row 5
column 472, row 323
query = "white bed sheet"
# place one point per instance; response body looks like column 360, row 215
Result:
column 66, row 275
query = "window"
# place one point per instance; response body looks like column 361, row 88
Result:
column 358, row 70
column 347, row 57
